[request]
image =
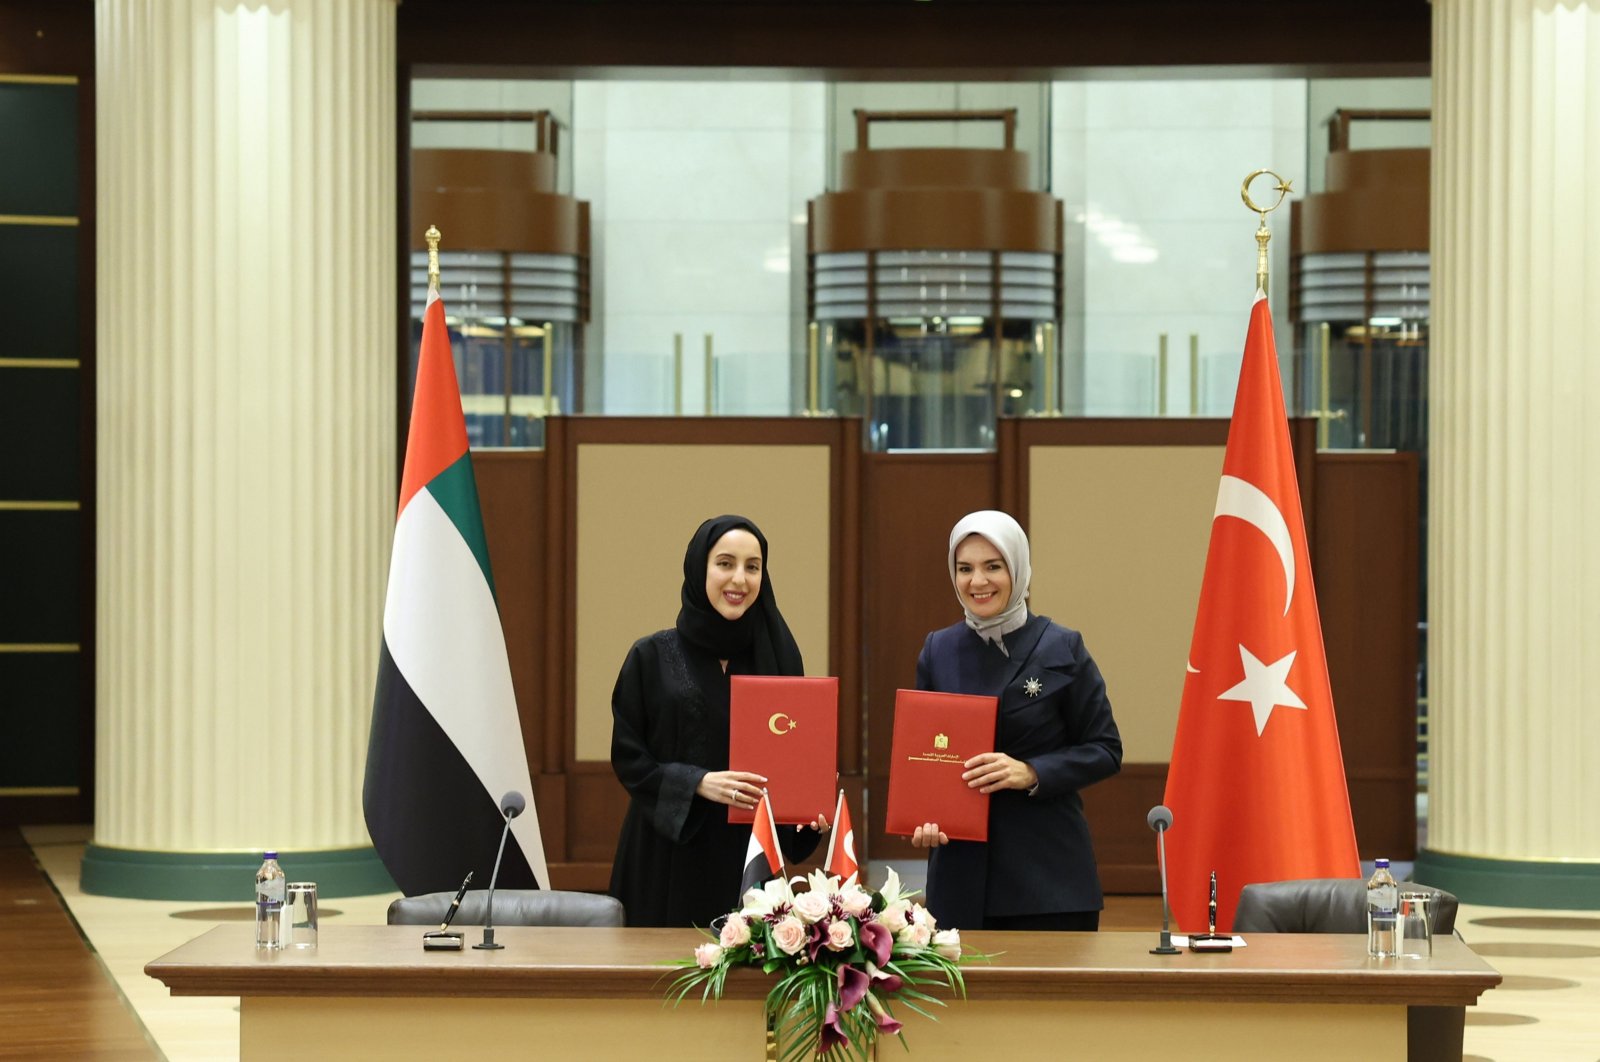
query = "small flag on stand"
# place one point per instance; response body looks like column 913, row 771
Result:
column 841, row 860
column 763, row 860
column 1257, row 784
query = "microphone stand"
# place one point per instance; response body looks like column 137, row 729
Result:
column 1164, row 945
column 488, row 943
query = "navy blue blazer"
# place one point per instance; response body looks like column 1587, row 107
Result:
column 1038, row 859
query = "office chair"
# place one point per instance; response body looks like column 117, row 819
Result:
column 512, row 907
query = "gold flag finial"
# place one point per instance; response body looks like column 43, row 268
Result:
column 1263, row 234
column 433, row 237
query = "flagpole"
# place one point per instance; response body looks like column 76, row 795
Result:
column 1263, row 234
column 433, row 237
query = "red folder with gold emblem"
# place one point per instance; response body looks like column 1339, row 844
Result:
column 934, row 735
column 787, row 729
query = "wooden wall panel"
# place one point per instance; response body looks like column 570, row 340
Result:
column 511, row 495
column 1365, row 559
column 910, row 503
column 889, row 587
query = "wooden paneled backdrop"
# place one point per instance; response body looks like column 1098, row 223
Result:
column 587, row 537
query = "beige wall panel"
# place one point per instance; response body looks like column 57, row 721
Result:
column 1119, row 539
column 637, row 507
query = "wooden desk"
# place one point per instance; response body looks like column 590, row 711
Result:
column 596, row 994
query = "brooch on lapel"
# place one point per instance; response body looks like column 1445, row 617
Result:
column 1033, row 687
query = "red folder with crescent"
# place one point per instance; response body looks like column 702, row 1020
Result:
column 787, row 729
column 934, row 735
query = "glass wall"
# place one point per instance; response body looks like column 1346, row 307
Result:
column 698, row 193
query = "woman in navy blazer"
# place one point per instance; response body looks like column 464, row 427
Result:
column 1054, row 736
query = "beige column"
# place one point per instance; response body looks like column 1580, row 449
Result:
column 245, row 300
column 1514, row 487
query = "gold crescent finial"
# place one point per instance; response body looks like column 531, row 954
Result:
column 1263, row 234
column 433, row 237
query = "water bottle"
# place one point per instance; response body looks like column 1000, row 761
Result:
column 269, row 903
column 1383, row 901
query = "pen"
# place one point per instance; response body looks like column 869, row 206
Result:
column 1213, row 902
column 455, row 904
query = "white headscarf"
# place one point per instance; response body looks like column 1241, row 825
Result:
column 1006, row 535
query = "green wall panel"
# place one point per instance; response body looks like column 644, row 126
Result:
column 39, row 126
column 39, row 429
column 39, row 580
column 39, row 716
column 39, row 274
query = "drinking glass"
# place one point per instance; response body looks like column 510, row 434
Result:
column 1416, row 925
column 300, row 915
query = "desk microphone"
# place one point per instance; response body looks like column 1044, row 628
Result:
column 511, row 805
column 1159, row 819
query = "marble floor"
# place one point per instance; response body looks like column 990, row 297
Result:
column 1548, row 1008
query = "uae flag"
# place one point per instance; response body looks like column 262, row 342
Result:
column 1257, row 785
column 763, row 859
column 841, row 861
column 446, row 743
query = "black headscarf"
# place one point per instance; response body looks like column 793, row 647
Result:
column 761, row 631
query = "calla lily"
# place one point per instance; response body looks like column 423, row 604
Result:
column 853, row 984
column 886, row 1024
column 833, row 1034
column 884, row 982
column 877, row 939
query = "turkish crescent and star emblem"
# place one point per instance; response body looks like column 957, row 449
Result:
column 781, row 728
column 1264, row 686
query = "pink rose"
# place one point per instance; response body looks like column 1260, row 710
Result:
column 840, row 936
column 812, row 906
column 855, row 901
column 707, row 954
column 894, row 916
column 915, row 934
column 735, row 932
column 947, row 942
column 790, row 934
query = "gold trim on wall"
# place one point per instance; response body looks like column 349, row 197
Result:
column 39, row 506
column 39, row 790
column 40, row 647
column 39, row 363
column 38, row 219
column 38, row 79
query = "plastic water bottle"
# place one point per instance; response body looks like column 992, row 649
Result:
column 270, row 885
column 1383, row 901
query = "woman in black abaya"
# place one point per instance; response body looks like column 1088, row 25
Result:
column 679, row 860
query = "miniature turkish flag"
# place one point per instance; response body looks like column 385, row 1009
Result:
column 842, row 845
column 1257, row 784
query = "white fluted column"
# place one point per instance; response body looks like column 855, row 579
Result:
column 245, row 293
column 1514, row 489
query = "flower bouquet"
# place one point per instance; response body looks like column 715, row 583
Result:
column 844, row 955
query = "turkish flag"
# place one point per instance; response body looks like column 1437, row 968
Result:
column 841, row 860
column 1256, row 786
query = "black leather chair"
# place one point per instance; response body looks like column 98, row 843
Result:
column 1325, row 905
column 512, row 907
column 1339, row 905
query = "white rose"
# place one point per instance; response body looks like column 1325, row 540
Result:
column 947, row 942
column 893, row 917
column 707, row 954
column 735, row 932
column 812, row 906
